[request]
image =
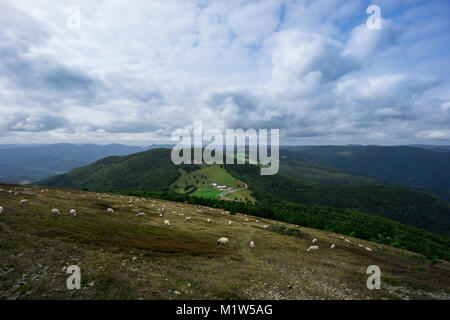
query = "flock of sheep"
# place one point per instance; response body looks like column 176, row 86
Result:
column 221, row 241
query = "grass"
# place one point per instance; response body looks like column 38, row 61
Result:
column 202, row 179
column 122, row 256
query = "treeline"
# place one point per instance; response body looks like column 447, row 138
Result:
column 343, row 221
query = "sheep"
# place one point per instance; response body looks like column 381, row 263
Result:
column 230, row 222
column 208, row 220
column 265, row 226
column 251, row 244
column 311, row 248
column 314, row 241
column 110, row 210
column 23, row 201
column 187, row 219
column 73, row 212
column 160, row 214
column 368, row 249
column 166, row 223
column 1, row 210
column 223, row 241
column 140, row 214
column 333, row 246
column 360, row 245
column 55, row 211
column 257, row 221
column 346, row 240
column 245, row 219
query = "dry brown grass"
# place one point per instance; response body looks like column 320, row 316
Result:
column 122, row 256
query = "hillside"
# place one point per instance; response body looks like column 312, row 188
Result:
column 148, row 170
column 410, row 166
column 298, row 166
column 122, row 256
column 153, row 171
column 403, row 205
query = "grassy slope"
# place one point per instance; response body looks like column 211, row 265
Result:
column 202, row 179
column 124, row 256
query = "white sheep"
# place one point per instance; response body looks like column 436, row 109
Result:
column 314, row 241
column 230, row 222
column 246, row 219
column 257, row 221
column 140, row 214
column 208, row 220
column 333, row 246
column 1, row 210
column 251, row 244
column 73, row 212
column 23, row 201
column 223, row 241
column 187, row 219
column 110, row 210
column 312, row 248
column 166, row 223
column 368, row 249
column 55, row 211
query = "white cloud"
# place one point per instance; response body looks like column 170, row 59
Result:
column 137, row 72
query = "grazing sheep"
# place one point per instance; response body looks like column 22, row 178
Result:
column 333, row 246
column 208, row 220
column 166, row 223
column 223, row 241
column 229, row 223
column 55, row 211
column 314, row 241
column 110, row 210
column 23, row 201
column 1, row 210
column 160, row 214
column 245, row 219
column 368, row 249
column 73, row 212
column 265, row 226
column 346, row 240
column 187, row 219
column 251, row 244
column 257, row 221
column 312, row 248
column 140, row 214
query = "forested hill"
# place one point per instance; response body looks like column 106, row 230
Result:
column 401, row 204
column 153, row 170
column 148, row 170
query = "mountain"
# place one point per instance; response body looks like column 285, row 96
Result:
column 414, row 167
column 124, row 256
column 153, row 170
column 33, row 162
column 302, row 167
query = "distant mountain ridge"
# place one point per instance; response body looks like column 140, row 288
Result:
column 420, row 168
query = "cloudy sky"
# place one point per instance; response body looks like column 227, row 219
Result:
column 134, row 71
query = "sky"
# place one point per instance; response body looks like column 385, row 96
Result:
column 134, row 71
